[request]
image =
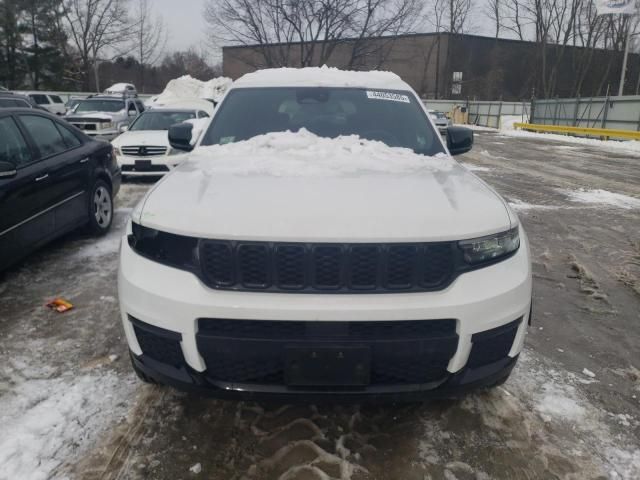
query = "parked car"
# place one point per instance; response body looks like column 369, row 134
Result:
column 72, row 102
column 127, row 89
column 53, row 179
column 441, row 120
column 14, row 100
column 265, row 265
column 104, row 115
column 143, row 149
column 51, row 102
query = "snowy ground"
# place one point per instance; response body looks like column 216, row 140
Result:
column 71, row 408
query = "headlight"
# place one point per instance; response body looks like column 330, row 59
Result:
column 117, row 151
column 490, row 248
column 167, row 248
column 105, row 125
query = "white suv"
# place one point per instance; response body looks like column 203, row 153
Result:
column 321, row 240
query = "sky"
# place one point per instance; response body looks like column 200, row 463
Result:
column 184, row 22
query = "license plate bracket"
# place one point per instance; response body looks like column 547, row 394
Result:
column 143, row 164
column 327, row 366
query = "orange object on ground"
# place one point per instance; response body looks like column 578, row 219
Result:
column 60, row 305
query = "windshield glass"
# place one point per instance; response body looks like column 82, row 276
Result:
column 160, row 120
column 99, row 106
column 392, row 117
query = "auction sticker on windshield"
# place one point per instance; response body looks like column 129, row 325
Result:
column 394, row 97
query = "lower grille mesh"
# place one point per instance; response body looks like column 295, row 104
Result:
column 253, row 351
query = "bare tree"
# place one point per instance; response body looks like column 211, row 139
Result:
column 96, row 27
column 513, row 18
column 458, row 14
column 150, row 38
column 493, row 10
column 306, row 32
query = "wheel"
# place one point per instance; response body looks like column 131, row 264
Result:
column 100, row 208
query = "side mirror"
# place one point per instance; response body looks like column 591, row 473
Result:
column 7, row 170
column 459, row 140
column 180, row 136
column 133, row 113
column 124, row 128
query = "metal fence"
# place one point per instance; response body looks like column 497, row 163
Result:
column 484, row 113
column 620, row 113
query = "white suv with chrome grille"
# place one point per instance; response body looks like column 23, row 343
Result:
column 321, row 241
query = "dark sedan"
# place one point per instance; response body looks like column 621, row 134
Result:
column 53, row 179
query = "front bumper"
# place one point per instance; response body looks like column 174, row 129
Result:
column 171, row 303
column 159, row 165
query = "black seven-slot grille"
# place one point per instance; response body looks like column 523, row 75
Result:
column 326, row 267
column 254, row 351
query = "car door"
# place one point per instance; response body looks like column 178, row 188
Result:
column 68, row 160
column 24, row 197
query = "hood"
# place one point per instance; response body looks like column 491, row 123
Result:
column 396, row 196
column 142, row 137
column 91, row 116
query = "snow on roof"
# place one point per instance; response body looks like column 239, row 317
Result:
column 119, row 87
column 288, row 154
column 321, row 77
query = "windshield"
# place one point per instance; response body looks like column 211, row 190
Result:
column 99, row 106
column 437, row 115
column 392, row 117
column 160, row 120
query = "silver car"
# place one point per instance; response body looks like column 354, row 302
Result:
column 441, row 120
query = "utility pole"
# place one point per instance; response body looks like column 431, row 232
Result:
column 624, row 59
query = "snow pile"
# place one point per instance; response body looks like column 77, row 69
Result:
column 507, row 121
column 47, row 421
column 475, row 168
column 519, row 206
column 188, row 87
column 322, row 76
column 602, row 197
column 629, row 146
column 303, row 154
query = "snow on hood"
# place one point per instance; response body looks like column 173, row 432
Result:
column 299, row 187
column 189, row 87
column 304, row 154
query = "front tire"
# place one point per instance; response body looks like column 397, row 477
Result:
column 100, row 208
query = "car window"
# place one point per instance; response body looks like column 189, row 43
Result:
column 40, row 99
column 159, row 120
column 13, row 147
column 140, row 106
column 45, row 135
column 56, row 99
column 13, row 102
column 99, row 105
column 69, row 138
column 393, row 117
column 202, row 114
